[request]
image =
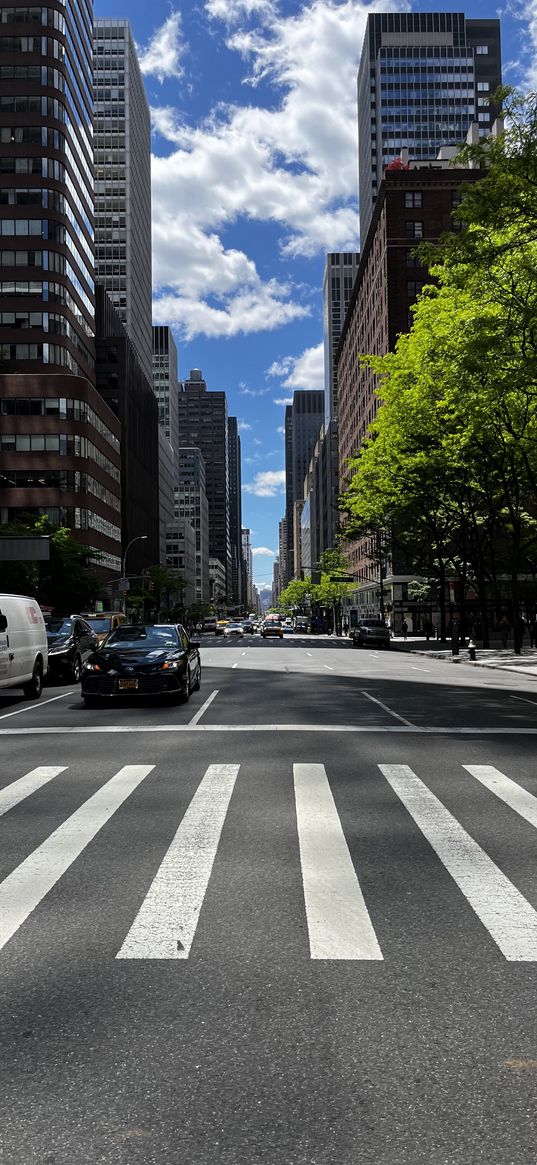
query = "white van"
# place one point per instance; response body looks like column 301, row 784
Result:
column 23, row 645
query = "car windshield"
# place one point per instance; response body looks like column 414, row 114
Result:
column 142, row 637
column 99, row 624
column 373, row 623
column 58, row 627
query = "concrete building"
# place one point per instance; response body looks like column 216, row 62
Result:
column 249, row 568
column 282, row 552
column 123, row 182
column 181, row 556
column 338, row 281
column 412, row 204
column 217, row 582
column 303, row 420
column 165, row 382
column 235, row 512
column 167, row 476
column 423, row 78
column 59, row 440
column 203, row 424
column 130, row 397
column 275, row 583
column 191, row 505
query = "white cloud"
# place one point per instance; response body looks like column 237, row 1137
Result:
column 245, row 391
column 264, row 551
column 162, row 57
column 267, row 483
column 526, row 11
column 243, row 426
column 281, row 429
column 305, row 371
column 292, row 164
column 286, row 400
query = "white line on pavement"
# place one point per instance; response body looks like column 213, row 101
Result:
column 524, row 700
column 389, row 710
column 339, row 925
column 412, row 668
column 32, row 707
column 26, row 785
column 200, row 711
column 235, row 664
column 166, row 922
column 310, row 654
column 22, row 890
column 327, row 666
column 404, row 729
column 508, row 917
column 523, row 803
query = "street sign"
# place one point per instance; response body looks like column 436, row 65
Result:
column 124, row 585
column 342, row 578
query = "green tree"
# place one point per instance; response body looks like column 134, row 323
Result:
column 66, row 582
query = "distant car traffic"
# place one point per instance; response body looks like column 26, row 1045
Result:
column 105, row 622
column 143, row 659
column 70, row 642
column 288, row 626
column 370, row 632
column 233, row 629
column 247, row 626
column 221, row 626
column 271, row 626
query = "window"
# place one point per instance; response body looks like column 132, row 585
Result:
column 413, row 230
column 483, row 86
column 413, row 198
column 414, row 287
column 482, row 50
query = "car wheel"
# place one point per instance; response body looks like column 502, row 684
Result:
column 34, row 687
column 355, row 643
column 196, row 687
column 76, row 668
column 91, row 701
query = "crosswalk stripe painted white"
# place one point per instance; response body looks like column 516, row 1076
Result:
column 28, row 784
column 339, row 925
column 523, row 803
column 166, row 922
column 24, row 889
column 508, row 917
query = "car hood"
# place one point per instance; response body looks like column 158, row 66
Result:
column 117, row 660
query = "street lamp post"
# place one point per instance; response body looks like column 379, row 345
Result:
column 139, row 538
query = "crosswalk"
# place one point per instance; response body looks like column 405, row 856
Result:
column 340, row 923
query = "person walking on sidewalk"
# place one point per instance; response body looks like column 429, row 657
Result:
column 404, row 628
column 505, row 628
column 533, row 631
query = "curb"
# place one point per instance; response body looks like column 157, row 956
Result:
column 458, row 659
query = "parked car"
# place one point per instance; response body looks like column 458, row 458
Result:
column 23, row 645
column 144, row 660
column 70, row 642
column 271, row 627
column 370, row 633
column 233, row 629
column 105, row 622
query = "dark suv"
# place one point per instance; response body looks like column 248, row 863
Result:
column 70, row 641
column 370, row 633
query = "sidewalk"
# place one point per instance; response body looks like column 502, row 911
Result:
column 493, row 657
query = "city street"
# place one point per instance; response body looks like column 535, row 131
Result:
column 291, row 922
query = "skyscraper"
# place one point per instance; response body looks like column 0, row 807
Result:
column 235, row 511
column 303, row 420
column 203, row 423
column 59, row 440
column 339, row 275
column 423, row 77
column 166, row 383
column 123, row 183
column 191, row 506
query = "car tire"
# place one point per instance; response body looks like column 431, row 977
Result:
column 196, row 687
column 32, row 690
column 354, row 643
column 76, row 669
column 91, row 701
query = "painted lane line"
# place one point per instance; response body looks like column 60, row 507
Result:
column 412, row 668
column 166, row 922
column 339, row 925
column 33, row 707
column 27, row 785
column 327, row 666
column 310, row 654
column 357, row 729
column 389, row 710
column 524, row 700
column 235, row 664
column 508, row 917
column 200, row 711
column 24, row 889
column 523, row 803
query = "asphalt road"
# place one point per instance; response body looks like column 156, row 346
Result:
column 292, row 922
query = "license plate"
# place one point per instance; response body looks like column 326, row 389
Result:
column 128, row 685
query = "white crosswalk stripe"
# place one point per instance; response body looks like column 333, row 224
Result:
column 508, row 917
column 166, row 923
column 22, row 890
column 339, row 924
column 18, row 790
column 338, row 921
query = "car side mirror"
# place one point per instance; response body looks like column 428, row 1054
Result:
column 3, row 623
column 196, row 645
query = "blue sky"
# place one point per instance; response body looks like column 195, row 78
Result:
column 254, row 180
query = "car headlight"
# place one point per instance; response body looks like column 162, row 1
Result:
column 171, row 664
column 92, row 667
column 60, row 648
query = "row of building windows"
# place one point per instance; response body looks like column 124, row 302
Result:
column 49, row 17
column 48, row 322
column 48, row 261
column 45, row 353
column 48, row 293
column 48, row 199
column 49, row 47
column 45, row 228
column 65, row 444
column 67, row 481
column 66, row 408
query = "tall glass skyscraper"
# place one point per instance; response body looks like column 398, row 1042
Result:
column 123, row 183
column 423, row 78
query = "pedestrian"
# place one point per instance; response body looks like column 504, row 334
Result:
column 428, row 628
column 404, row 628
column 533, row 631
column 504, row 628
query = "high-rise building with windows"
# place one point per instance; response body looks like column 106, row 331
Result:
column 339, row 275
column 191, row 506
column 59, row 440
column 235, row 511
column 423, row 78
column 123, row 182
column 203, row 423
column 166, row 383
column 303, row 420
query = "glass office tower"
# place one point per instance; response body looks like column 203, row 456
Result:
column 423, row 78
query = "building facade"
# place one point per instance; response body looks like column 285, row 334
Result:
column 338, row 281
column 59, row 441
column 248, row 567
column 203, row 424
column 123, row 183
column 166, row 383
column 192, row 506
column 181, row 556
column 235, row 511
column 423, row 78
column 303, row 420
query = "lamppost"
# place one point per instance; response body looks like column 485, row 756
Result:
column 139, row 538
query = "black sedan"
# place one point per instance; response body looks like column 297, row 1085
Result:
column 371, row 633
column 143, row 660
column 70, row 643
